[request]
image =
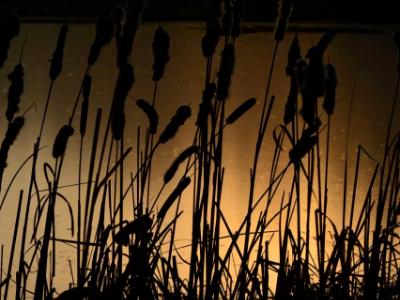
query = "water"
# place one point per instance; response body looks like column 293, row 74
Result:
column 365, row 63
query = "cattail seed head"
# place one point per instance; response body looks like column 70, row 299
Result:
column 293, row 56
column 161, row 52
column 291, row 104
column 9, row 28
column 240, row 110
column 303, row 146
column 182, row 185
column 104, row 33
column 169, row 174
column 60, row 143
column 15, row 91
column 211, row 39
column 182, row 114
column 285, row 10
column 205, row 105
column 330, row 95
column 225, row 72
column 151, row 113
column 57, row 60
column 118, row 124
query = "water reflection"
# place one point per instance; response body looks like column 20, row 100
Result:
column 365, row 64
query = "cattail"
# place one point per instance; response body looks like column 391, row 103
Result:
column 133, row 12
column 9, row 28
column 210, row 40
column 182, row 114
column 303, row 146
column 15, row 91
column 308, row 108
column 181, row 158
column 225, row 72
column 151, row 113
column 161, row 53
column 330, row 95
column 11, row 135
column 205, row 105
column 291, row 104
column 124, row 84
column 182, row 185
column 86, row 87
column 104, row 33
column 140, row 227
column 318, row 50
column 293, row 56
column 118, row 124
column 57, row 60
column 126, row 79
column 60, row 143
column 240, row 110
column 285, row 10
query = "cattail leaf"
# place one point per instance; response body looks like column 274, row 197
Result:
column 169, row 174
column 182, row 114
column 58, row 54
column 140, row 227
column 182, row 185
column 151, row 113
column 15, row 91
column 241, row 110
column 60, row 143
column 87, row 83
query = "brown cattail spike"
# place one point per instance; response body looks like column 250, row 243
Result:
column 60, row 143
column 182, row 185
column 169, row 174
column 210, row 40
column 161, row 53
column 151, row 113
column 225, row 72
column 182, row 114
column 58, row 54
column 285, row 10
column 11, row 135
column 293, row 56
column 330, row 95
column 104, row 33
column 241, row 110
column 9, row 28
column 15, row 91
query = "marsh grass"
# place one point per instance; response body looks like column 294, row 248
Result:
column 135, row 256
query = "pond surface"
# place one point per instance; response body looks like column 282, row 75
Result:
column 365, row 64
